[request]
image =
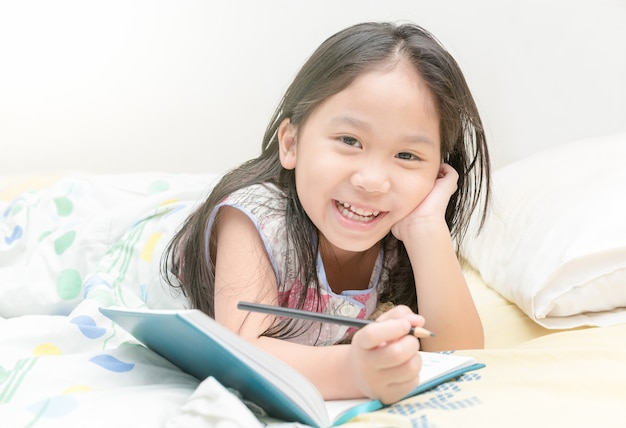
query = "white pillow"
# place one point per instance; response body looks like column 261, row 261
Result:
column 554, row 242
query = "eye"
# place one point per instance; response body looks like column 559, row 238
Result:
column 407, row 156
column 351, row 141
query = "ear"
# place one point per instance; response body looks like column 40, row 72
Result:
column 287, row 144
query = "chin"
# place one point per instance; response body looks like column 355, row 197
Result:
column 354, row 245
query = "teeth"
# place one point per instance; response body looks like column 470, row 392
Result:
column 356, row 213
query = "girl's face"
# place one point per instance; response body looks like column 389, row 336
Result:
column 366, row 157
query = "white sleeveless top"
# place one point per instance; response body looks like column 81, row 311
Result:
column 265, row 205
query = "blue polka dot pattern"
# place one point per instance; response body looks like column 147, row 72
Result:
column 87, row 326
column 109, row 362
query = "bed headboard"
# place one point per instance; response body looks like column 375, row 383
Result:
column 189, row 85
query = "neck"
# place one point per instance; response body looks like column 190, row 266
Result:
column 348, row 270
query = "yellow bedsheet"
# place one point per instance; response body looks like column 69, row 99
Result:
column 534, row 377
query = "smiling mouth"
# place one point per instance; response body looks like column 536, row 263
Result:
column 357, row 214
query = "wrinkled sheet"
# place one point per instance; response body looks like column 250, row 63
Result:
column 76, row 244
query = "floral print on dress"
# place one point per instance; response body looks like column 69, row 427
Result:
column 265, row 205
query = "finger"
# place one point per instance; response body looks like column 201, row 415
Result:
column 396, row 362
column 448, row 177
column 399, row 390
column 395, row 354
column 446, row 168
column 401, row 378
column 379, row 333
column 403, row 312
column 399, row 311
column 442, row 171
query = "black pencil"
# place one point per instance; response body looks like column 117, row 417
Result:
column 315, row 316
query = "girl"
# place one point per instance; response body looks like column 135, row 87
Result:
column 369, row 171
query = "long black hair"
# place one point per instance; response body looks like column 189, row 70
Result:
column 331, row 68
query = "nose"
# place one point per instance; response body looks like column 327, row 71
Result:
column 371, row 176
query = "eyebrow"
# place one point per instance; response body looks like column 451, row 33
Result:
column 350, row 120
column 364, row 126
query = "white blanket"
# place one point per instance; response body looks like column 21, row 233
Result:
column 82, row 242
column 77, row 244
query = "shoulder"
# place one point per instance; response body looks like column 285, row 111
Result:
column 262, row 203
column 255, row 193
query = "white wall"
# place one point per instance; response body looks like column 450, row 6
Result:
column 182, row 85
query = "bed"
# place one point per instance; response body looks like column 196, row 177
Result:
column 548, row 275
column 116, row 118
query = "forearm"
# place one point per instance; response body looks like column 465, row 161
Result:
column 443, row 296
column 327, row 367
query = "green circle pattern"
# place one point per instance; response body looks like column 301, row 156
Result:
column 63, row 242
column 69, row 284
column 158, row 186
column 64, row 206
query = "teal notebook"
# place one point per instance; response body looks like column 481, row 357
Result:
column 200, row 346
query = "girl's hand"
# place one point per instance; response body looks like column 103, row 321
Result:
column 433, row 206
column 385, row 361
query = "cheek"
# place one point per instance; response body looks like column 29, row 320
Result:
column 306, row 186
column 415, row 190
